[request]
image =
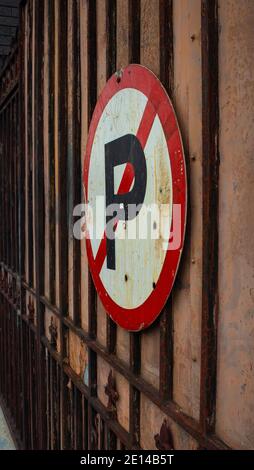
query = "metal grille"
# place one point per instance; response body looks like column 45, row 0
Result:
column 69, row 377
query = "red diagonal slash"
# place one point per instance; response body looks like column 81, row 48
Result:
column 128, row 175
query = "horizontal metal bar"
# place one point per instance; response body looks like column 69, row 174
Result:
column 49, row 306
column 4, row 103
column 30, row 289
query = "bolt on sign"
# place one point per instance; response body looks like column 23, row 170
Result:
column 135, row 194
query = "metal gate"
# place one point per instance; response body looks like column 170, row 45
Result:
column 70, row 378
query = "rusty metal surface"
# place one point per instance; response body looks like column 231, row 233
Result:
column 235, row 419
column 186, row 298
column 48, row 304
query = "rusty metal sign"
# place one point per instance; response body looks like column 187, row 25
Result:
column 135, row 193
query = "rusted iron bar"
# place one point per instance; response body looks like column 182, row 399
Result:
column 92, row 296
column 39, row 370
column 111, row 46
column 210, row 120
column 76, row 162
column 135, row 338
column 167, row 79
column 61, row 215
column 51, row 156
column 29, row 149
column 169, row 408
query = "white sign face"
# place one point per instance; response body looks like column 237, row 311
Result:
column 129, row 191
column 139, row 260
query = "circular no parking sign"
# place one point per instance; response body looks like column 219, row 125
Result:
column 135, row 191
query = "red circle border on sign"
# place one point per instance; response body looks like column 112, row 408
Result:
column 142, row 79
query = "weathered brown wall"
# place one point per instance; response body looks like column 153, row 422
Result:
column 235, row 391
column 187, row 295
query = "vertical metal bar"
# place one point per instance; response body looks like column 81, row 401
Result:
column 54, row 399
column 30, row 150
column 8, row 220
column 10, row 332
column 135, row 338
column 111, row 6
column 39, row 215
column 48, row 412
column 27, row 426
column 1, row 187
column 5, row 347
column 52, row 429
column 18, row 162
column 74, row 162
column 84, row 423
column 111, row 440
column 134, row 31
column 92, row 311
column 34, row 390
column 19, row 369
column 134, row 407
column 51, row 158
column 71, row 413
column 13, row 187
column 66, row 421
column 6, row 187
column 49, row 163
column 31, row 394
column 15, row 365
column 62, row 170
column 6, row 352
column 21, row 192
column 166, row 76
column 70, row 152
column 92, row 86
column 1, row 325
column 78, row 419
column 210, row 120
column 10, row 178
column 13, row 362
column 21, row 153
column 15, row 183
column 62, row 197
